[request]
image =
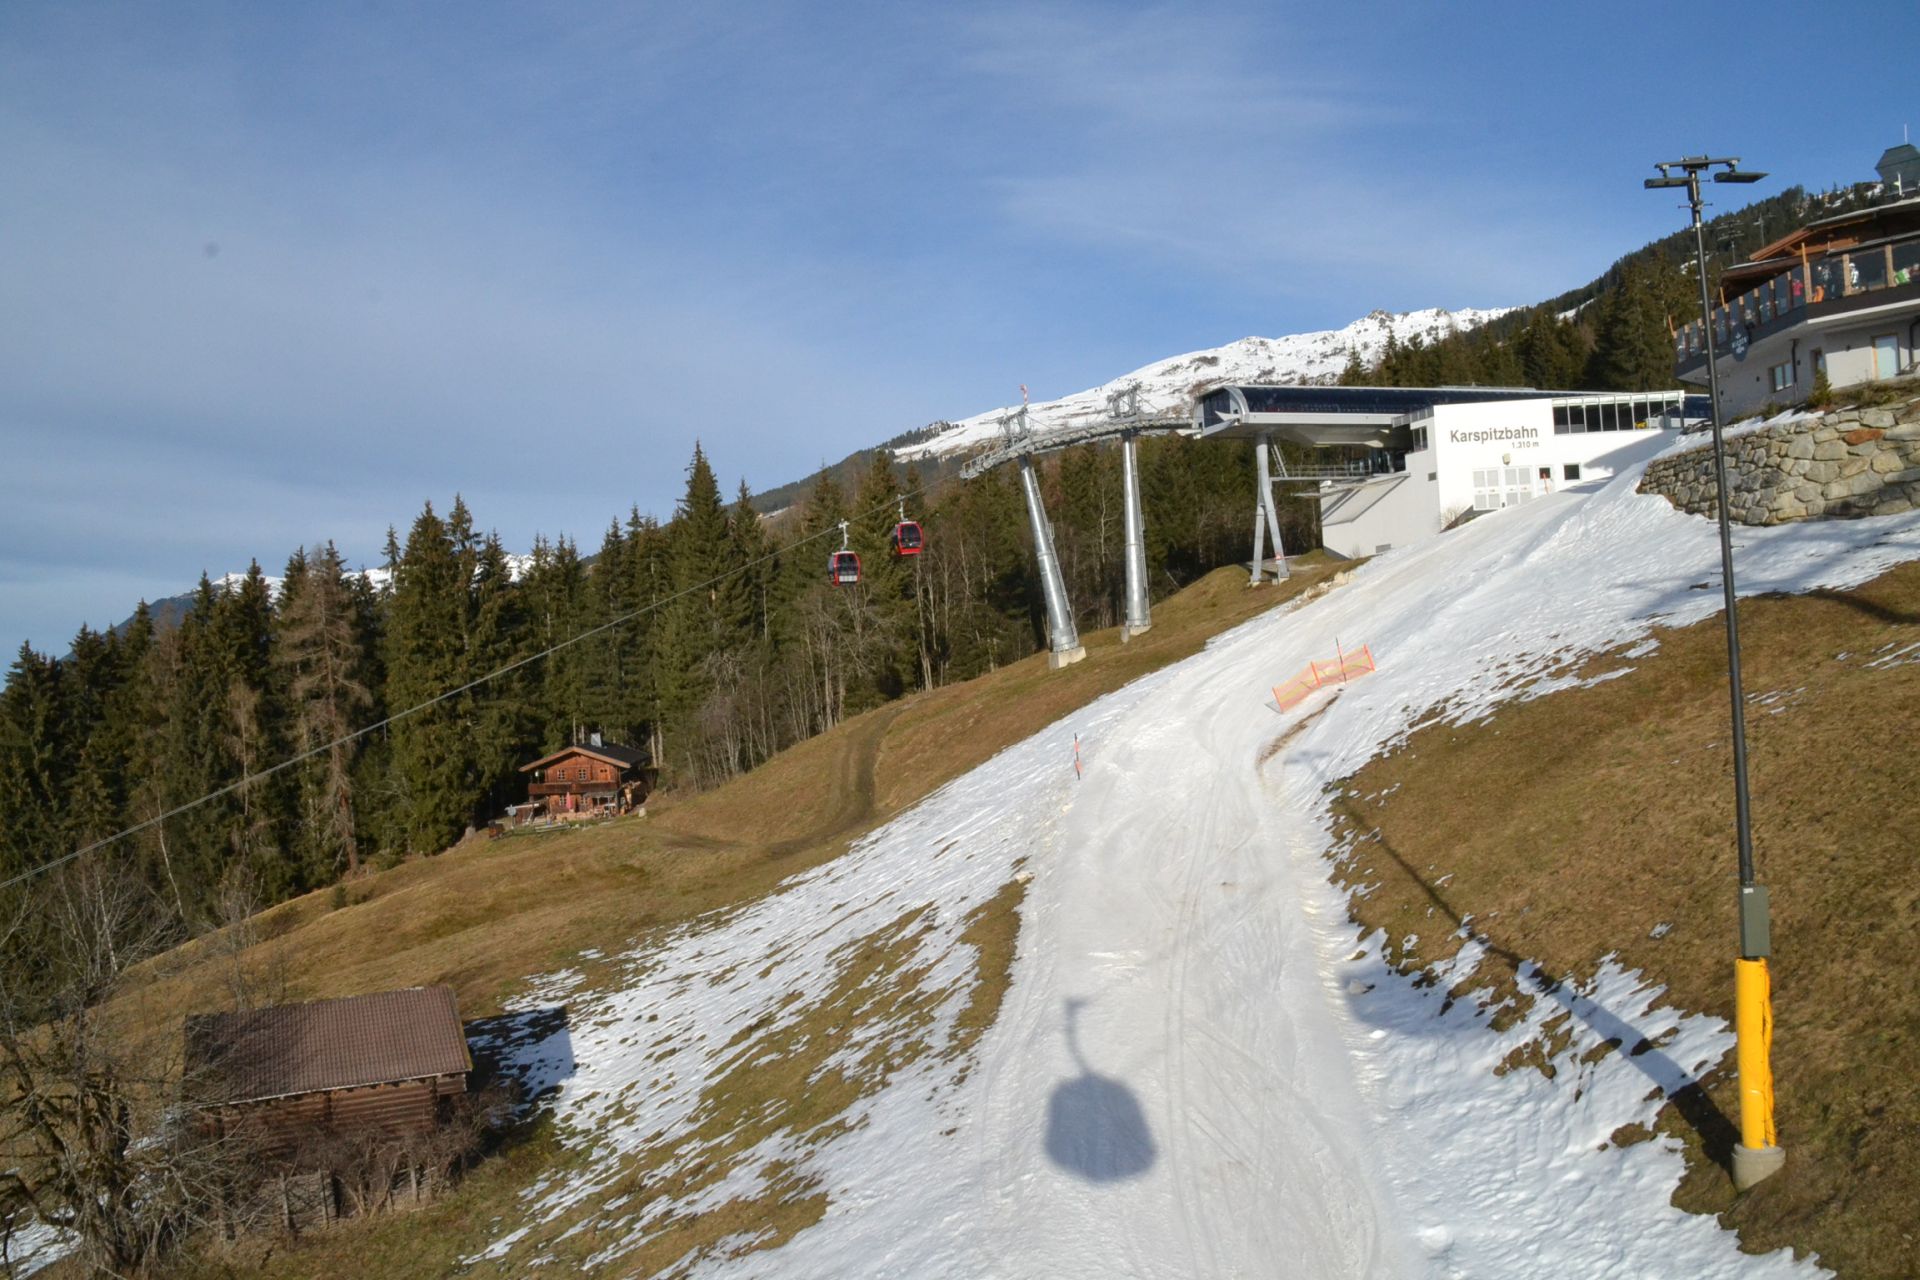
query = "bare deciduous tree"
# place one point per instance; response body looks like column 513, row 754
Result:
column 92, row 1138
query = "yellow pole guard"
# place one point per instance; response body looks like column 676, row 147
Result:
column 1753, row 1030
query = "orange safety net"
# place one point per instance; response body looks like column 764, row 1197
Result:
column 1318, row 675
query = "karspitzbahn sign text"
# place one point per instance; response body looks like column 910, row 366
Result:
column 1504, row 435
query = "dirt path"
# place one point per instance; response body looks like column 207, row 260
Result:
column 853, row 781
column 845, row 775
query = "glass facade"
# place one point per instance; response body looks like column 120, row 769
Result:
column 1614, row 413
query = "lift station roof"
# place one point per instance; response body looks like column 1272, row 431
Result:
column 1332, row 415
column 1374, row 417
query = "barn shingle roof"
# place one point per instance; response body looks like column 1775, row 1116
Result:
column 612, row 753
column 326, row 1044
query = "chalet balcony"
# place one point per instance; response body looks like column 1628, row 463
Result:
column 572, row 789
column 1869, row 275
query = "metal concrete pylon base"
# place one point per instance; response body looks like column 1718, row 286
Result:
column 1754, row 1165
column 1128, row 631
column 1058, row 658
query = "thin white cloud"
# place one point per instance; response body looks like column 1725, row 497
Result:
column 1234, row 142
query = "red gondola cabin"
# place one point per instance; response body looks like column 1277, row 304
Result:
column 843, row 568
column 906, row 539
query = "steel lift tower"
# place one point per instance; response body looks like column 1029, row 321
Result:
column 1125, row 420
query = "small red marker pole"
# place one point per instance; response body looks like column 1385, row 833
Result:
column 1076, row 757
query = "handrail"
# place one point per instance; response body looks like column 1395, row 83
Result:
column 1020, row 446
column 1883, row 264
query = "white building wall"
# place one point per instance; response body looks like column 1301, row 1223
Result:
column 1847, row 344
column 1474, row 456
column 1383, row 513
column 1512, row 443
column 1852, row 354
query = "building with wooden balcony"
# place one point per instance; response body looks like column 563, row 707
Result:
column 1839, row 296
column 597, row 779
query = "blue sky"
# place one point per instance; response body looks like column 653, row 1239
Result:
column 273, row 274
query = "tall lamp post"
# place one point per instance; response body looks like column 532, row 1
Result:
column 1757, row 1156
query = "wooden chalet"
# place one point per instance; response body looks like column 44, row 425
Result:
column 297, row 1083
column 593, row 780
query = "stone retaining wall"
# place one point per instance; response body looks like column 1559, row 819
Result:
column 1849, row 462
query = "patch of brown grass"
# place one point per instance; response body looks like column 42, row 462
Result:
column 778, row 1082
column 993, row 931
column 1569, row 827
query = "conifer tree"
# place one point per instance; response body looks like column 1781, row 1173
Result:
column 125, row 748
column 704, row 622
column 1549, row 351
column 325, row 667
column 604, row 658
column 32, row 792
column 192, row 754
column 753, row 551
column 649, row 570
column 252, row 719
column 1355, row 372
column 556, row 600
column 426, row 641
column 499, row 715
column 1632, row 345
column 94, row 670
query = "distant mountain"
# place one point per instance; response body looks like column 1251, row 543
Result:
column 169, row 610
column 1167, row 385
column 1297, row 359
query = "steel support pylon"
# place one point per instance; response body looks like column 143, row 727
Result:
column 1266, row 520
column 1139, row 614
column 1063, row 640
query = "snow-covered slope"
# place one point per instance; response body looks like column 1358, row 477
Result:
column 1301, row 358
column 1199, row 1068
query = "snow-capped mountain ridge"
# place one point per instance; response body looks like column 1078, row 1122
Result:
column 377, row 577
column 1166, row 385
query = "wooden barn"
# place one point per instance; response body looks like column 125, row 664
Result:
column 597, row 779
column 323, row 1092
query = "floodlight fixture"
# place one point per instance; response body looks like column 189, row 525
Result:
column 1737, row 175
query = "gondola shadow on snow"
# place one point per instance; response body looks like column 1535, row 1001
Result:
column 1096, row 1129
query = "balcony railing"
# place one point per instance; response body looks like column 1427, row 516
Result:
column 1813, row 283
column 572, row 788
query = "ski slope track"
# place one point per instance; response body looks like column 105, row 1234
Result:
column 1200, row 1068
